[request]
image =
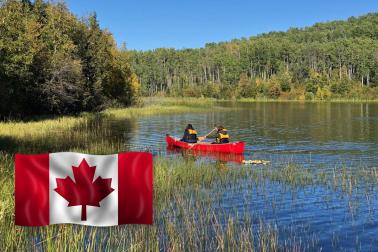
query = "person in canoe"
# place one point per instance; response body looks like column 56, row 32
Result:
column 222, row 136
column 190, row 135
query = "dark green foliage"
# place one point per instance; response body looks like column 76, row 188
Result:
column 309, row 96
column 320, row 57
column 341, row 86
column 311, row 86
column 51, row 62
column 285, row 82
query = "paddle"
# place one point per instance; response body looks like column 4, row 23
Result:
column 204, row 137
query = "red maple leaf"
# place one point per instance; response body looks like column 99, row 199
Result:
column 84, row 192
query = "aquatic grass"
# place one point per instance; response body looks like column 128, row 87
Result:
column 186, row 216
column 178, row 174
column 289, row 174
column 181, row 222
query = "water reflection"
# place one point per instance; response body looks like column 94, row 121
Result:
column 193, row 155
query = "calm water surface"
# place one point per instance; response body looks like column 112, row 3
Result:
column 308, row 133
column 312, row 135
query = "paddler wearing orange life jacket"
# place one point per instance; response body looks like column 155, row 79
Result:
column 190, row 134
column 222, row 135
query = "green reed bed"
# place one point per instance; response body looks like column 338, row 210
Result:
column 184, row 214
column 184, row 217
column 339, row 178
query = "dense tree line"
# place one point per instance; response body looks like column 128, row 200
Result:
column 328, row 59
column 53, row 62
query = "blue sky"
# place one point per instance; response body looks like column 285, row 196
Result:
column 148, row 24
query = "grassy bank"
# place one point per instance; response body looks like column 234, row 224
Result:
column 87, row 131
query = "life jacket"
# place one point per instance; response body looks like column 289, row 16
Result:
column 192, row 135
column 192, row 132
column 223, row 136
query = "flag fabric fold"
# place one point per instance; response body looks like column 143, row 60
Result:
column 95, row 190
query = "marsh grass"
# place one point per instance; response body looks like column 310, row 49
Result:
column 188, row 215
column 186, row 212
column 184, row 218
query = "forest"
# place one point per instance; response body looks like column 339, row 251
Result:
column 52, row 62
column 336, row 59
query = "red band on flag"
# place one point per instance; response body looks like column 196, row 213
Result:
column 135, row 188
column 32, row 190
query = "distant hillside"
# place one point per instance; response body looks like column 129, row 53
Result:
column 331, row 58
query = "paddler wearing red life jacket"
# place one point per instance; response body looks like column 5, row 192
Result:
column 190, row 134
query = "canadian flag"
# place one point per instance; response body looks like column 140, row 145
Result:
column 96, row 190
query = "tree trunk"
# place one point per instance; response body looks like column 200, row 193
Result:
column 350, row 73
column 287, row 64
column 368, row 79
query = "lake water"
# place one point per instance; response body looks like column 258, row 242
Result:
column 326, row 136
column 307, row 133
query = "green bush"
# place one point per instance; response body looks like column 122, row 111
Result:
column 211, row 90
column 309, row 96
column 248, row 91
column 311, row 87
column 191, row 91
column 285, row 86
column 285, row 82
column 340, row 87
column 228, row 92
column 323, row 93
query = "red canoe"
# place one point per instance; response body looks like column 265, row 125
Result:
column 236, row 147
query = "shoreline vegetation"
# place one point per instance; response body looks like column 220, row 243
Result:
column 146, row 106
column 42, row 125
